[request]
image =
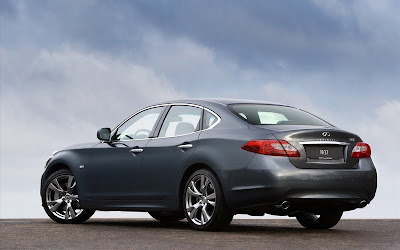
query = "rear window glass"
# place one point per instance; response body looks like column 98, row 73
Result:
column 264, row 114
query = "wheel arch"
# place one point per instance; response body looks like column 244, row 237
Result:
column 63, row 160
column 50, row 170
column 55, row 167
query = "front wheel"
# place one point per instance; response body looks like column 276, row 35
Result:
column 60, row 199
column 204, row 203
column 323, row 221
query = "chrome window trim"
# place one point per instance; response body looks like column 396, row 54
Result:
column 163, row 105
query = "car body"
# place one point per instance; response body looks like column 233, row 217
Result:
column 147, row 169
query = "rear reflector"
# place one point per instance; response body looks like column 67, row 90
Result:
column 271, row 147
column 361, row 150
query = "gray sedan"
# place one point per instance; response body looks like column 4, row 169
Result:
column 207, row 160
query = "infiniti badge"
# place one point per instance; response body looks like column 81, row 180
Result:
column 326, row 134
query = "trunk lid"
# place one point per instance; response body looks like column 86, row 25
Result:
column 326, row 147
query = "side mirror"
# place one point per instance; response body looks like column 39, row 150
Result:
column 104, row 134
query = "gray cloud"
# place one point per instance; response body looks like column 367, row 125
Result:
column 345, row 36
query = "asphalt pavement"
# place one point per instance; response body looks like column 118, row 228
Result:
column 241, row 234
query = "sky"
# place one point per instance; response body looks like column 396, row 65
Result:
column 68, row 68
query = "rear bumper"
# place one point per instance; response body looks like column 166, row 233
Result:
column 268, row 181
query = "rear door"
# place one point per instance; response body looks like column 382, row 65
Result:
column 169, row 152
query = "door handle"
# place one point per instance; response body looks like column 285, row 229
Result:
column 137, row 150
column 185, row 146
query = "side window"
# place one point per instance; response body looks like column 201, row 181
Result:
column 181, row 120
column 139, row 126
column 209, row 120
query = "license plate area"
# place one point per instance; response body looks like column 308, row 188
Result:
column 325, row 153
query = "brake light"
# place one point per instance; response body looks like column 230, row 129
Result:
column 271, row 147
column 361, row 150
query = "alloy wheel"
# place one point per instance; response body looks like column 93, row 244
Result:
column 62, row 198
column 200, row 199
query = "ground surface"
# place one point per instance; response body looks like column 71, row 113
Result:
column 242, row 234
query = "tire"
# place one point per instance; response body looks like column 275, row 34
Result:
column 324, row 221
column 60, row 199
column 167, row 216
column 203, row 202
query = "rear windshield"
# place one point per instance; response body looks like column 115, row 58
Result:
column 264, row 114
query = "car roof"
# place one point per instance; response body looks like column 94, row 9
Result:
column 220, row 101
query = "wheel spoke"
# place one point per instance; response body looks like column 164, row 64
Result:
column 69, row 184
column 204, row 216
column 192, row 190
column 211, row 196
column 55, row 203
column 71, row 210
column 54, row 188
column 193, row 210
column 74, row 197
column 206, row 183
column 212, row 203
column 193, row 213
column 57, row 184
column 202, row 180
column 66, row 216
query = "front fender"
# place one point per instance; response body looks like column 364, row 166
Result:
column 70, row 159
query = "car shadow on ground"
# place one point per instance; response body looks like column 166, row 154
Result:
column 236, row 227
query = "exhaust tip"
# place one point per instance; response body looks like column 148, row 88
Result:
column 285, row 205
column 363, row 203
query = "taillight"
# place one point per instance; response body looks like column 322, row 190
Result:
column 361, row 150
column 271, row 147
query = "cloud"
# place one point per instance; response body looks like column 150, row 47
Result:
column 57, row 98
column 381, row 129
column 341, row 36
column 281, row 93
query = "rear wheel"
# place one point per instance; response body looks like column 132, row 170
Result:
column 323, row 221
column 60, row 199
column 167, row 216
column 203, row 202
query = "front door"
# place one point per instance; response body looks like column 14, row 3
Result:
column 113, row 172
